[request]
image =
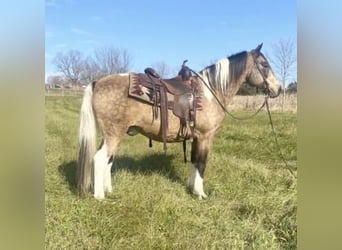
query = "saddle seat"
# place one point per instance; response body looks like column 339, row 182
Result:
column 176, row 86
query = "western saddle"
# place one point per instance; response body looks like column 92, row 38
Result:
column 181, row 94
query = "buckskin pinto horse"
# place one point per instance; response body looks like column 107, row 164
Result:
column 106, row 102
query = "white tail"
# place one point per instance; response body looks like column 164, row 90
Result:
column 86, row 142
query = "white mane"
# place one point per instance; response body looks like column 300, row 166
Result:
column 217, row 76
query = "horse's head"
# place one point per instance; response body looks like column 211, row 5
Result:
column 261, row 74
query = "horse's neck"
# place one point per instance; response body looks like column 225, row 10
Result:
column 233, row 88
column 225, row 96
column 224, row 91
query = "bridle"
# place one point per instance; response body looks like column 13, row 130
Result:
column 266, row 86
column 267, row 92
column 265, row 89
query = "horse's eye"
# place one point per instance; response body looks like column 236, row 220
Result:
column 265, row 64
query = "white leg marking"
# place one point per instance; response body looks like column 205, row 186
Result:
column 196, row 182
column 100, row 166
column 108, row 178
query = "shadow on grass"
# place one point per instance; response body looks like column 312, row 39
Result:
column 154, row 163
column 68, row 171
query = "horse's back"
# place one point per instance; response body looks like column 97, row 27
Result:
column 115, row 110
column 111, row 84
column 110, row 100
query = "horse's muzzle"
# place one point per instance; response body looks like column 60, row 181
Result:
column 273, row 93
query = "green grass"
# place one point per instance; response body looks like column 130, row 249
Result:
column 252, row 197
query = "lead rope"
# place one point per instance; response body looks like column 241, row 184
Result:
column 249, row 117
column 276, row 141
column 221, row 105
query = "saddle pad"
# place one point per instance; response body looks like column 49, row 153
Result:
column 144, row 94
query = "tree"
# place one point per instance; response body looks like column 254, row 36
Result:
column 292, row 88
column 91, row 71
column 284, row 59
column 105, row 61
column 55, row 81
column 70, row 64
column 110, row 60
column 162, row 69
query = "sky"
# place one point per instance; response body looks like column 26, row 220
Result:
column 169, row 31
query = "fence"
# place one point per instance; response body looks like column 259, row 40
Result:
column 239, row 102
column 254, row 102
column 63, row 92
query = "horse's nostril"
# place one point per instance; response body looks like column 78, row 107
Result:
column 275, row 92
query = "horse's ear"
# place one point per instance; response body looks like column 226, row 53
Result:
column 258, row 49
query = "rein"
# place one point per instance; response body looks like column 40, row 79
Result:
column 221, row 105
column 267, row 92
column 276, row 141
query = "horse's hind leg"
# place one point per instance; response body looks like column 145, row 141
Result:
column 103, row 160
column 199, row 154
column 108, row 176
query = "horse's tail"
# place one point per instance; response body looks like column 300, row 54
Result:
column 86, row 142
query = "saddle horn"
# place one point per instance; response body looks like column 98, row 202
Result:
column 185, row 72
column 184, row 62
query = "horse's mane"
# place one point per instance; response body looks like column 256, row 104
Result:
column 226, row 71
column 237, row 65
column 217, row 74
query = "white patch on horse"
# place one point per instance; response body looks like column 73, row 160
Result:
column 123, row 74
column 217, row 75
column 102, row 182
column 108, row 178
column 222, row 73
column 196, row 182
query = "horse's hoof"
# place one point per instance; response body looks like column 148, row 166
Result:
column 202, row 196
column 99, row 197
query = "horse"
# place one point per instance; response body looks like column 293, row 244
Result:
column 106, row 105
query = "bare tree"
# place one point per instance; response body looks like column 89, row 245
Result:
column 55, row 81
column 110, row 60
column 284, row 59
column 106, row 61
column 91, row 70
column 162, row 69
column 70, row 64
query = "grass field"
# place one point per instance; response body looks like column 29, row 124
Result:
column 252, row 198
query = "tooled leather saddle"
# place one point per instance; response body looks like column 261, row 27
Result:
column 181, row 94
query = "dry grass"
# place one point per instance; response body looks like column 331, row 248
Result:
column 251, row 103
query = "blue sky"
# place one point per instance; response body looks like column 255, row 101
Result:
column 169, row 31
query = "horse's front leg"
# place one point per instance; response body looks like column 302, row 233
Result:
column 199, row 153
